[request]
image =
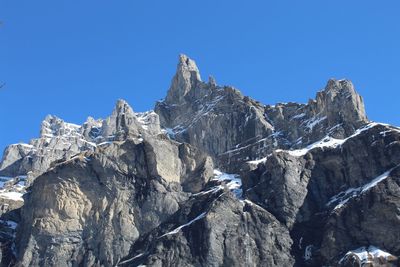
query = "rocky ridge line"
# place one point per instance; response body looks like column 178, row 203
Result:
column 318, row 183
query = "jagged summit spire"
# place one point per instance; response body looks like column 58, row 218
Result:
column 188, row 64
column 340, row 100
column 122, row 106
column 340, row 85
column 186, row 78
column 122, row 121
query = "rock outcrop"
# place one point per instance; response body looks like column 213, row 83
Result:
column 234, row 128
column 215, row 229
column 210, row 178
column 334, row 196
column 94, row 206
column 59, row 140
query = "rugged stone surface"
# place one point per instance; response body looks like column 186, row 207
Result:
column 215, row 229
column 233, row 128
column 312, row 184
column 334, row 196
column 206, row 112
column 59, row 140
column 94, row 206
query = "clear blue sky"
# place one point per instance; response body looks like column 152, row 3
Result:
column 76, row 58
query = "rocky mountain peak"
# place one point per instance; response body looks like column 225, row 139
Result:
column 339, row 85
column 228, row 181
column 122, row 122
column 54, row 126
column 211, row 81
column 340, row 103
column 187, row 78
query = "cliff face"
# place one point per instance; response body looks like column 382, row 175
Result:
column 234, row 128
column 96, row 205
column 210, row 178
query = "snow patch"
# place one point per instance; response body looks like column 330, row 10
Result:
column 104, row 143
column 311, row 123
column 343, row 197
column 129, row 260
column 299, row 116
column 328, row 142
column 232, row 181
column 258, row 161
column 367, row 254
column 176, row 230
column 12, row 195
column 146, row 119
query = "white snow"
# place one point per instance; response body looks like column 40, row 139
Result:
column 299, row 116
column 324, row 143
column 238, row 147
column 343, row 197
column 26, row 145
column 176, row 230
column 327, row 142
column 212, row 190
column 248, row 202
column 258, row 161
column 131, row 259
column 311, row 123
column 146, row 118
column 308, row 252
column 367, row 254
column 203, row 111
column 233, row 182
column 87, row 142
column 104, row 143
column 12, row 195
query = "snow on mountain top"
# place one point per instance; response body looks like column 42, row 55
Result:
column 367, row 255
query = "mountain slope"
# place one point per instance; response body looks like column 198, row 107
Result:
column 233, row 128
column 210, row 178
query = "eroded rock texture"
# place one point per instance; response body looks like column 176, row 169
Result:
column 313, row 184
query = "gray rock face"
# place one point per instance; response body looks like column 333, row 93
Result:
column 205, row 113
column 312, row 184
column 95, row 205
column 334, row 196
column 59, row 140
column 283, row 173
column 186, row 79
column 337, row 110
column 234, row 129
column 215, row 230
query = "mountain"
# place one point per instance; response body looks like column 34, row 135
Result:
column 209, row 178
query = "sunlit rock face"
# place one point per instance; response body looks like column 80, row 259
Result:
column 209, row 178
column 234, row 128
